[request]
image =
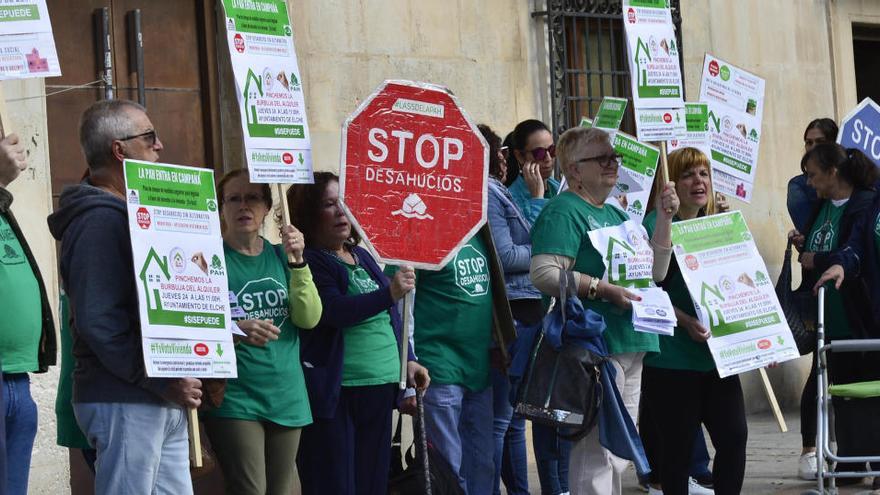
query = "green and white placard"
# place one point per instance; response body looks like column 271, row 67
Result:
column 639, row 167
column 732, row 293
column 610, row 114
column 696, row 117
column 660, row 124
column 735, row 100
column 269, row 88
column 27, row 46
column 180, row 270
column 626, row 252
column 653, row 54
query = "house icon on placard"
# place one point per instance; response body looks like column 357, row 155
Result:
column 616, row 256
column 253, row 89
column 710, row 298
column 643, row 56
column 154, row 272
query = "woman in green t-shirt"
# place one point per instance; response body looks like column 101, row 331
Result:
column 560, row 242
column 681, row 387
column 844, row 182
column 255, row 431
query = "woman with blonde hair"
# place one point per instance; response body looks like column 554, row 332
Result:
column 682, row 389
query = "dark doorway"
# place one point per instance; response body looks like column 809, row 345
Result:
column 866, row 57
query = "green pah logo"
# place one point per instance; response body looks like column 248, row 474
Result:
column 725, row 73
column 212, row 205
column 217, row 266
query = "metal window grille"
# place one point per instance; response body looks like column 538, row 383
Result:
column 588, row 58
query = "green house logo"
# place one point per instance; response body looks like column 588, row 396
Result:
column 616, row 256
column 725, row 73
column 711, row 298
column 753, row 135
column 153, row 273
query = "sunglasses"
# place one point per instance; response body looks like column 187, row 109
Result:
column 150, row 136
column 604, row 161
column 540, row 153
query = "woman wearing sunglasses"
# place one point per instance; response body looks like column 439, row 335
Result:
column 560, row 242
column 533, row 154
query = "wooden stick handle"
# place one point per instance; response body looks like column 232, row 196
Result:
column 664, row 165
column 404, row 336
column 195, row 438
column 771, row 396
column 285, row 214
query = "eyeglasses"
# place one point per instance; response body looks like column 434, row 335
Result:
column 540, row 153
column 604, row 161
column 150, row 136
column 249, row 199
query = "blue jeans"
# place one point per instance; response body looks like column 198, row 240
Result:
column 511, row 464
column 551, row 455
column 21, row 429
column 142, row 448
column 458, row 423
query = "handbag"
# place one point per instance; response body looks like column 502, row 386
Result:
column 562, row 387
column 799, row 307
column 412, row 480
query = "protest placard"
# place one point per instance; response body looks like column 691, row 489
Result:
column 860, row 129
column 180, row 269
column 735, row 101
column 269, row 89
column 696, row 135
column 626, row 252
column 732, row 293
column 27, row 47
column 610, row 114
column 655, row 73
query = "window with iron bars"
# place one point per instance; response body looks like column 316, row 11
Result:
column 588, row 58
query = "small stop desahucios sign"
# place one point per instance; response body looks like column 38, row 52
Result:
column 413, row 174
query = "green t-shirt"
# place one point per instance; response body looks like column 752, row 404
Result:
column 679, row 351
column 371, row 356
column 68, row 432
column 562, row 229
column 270, row 384
column 453, row 319
column 824, row 237
column 19, row 336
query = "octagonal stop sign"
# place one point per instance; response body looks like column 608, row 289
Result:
column 860, row 129
column 414, row 174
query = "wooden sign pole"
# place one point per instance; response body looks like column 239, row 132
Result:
column 195, row 438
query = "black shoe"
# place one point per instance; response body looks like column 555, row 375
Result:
column 876, row 484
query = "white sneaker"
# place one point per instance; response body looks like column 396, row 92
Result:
column 654, row 491
column 807, row 466
column 695, row 488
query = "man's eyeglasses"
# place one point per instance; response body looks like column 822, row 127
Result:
column 604, row 161
column 540, row 153
column 150, row 136
column 249, row 199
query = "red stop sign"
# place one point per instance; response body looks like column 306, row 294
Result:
column 414, row 174
column 143, row 218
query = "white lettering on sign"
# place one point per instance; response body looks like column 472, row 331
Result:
column 870, row 141
column 451, row 149
column 418, row 107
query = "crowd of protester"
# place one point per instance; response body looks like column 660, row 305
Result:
column 318, row 382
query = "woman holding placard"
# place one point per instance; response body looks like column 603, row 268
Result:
column 682, row 389
column 560, row 242
column 351, row 359
column 255, row 431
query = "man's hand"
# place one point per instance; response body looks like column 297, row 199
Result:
column 186, row 392
column 259, row 332
column 12, row 159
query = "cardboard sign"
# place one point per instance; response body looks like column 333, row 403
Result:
column 27, row 47
column 610, row 114
column 653, row 54
column 183, row 293
column 732, row 293
column 735, row 100
column 414, row 174
column 269, row 89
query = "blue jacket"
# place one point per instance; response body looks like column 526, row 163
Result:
column 510, row 232
column 529, row 206
column 584, row 328
column 322, row 348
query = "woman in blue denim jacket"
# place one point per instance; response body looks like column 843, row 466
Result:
column 511, row 234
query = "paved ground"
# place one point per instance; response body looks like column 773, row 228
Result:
column 771, row 462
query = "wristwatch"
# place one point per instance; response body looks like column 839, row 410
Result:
column 593, row 291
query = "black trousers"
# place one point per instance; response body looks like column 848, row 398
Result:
column 809, row 408
column 350, row 453
column 679, row 401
